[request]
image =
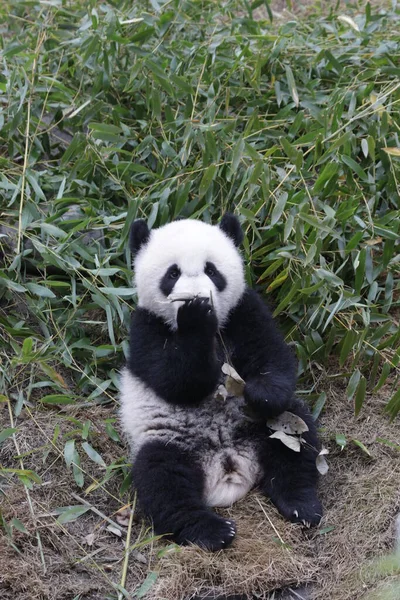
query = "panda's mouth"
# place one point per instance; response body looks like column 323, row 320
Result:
column 185, row 297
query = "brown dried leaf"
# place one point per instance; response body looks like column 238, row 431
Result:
column 123, row 516
column 289, row 440
column 288, row 423
column 234, row 383
column 322, row 465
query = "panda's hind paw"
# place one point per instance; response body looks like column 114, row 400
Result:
column 305, row 509
column 209, row 531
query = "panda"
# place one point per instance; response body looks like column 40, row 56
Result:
column 193, row 450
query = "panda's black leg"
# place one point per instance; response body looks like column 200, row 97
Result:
column 290, row 478
column 169, row 486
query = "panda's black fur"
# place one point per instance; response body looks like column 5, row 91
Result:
column 192, row 449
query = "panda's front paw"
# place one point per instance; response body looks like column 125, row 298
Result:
column 209, row 531
column 303, row 507
column 197, row 316
column 266, row 399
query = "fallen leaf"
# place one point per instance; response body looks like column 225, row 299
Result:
column 288, row 423
column 373, row 241
column 114, row 530
column 123, row 516
column 290, row 441
column 89, row 539
column 322, row 465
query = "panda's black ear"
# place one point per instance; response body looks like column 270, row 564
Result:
column 231, row 226
column 139, row 235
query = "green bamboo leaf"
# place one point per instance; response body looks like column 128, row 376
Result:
column 279, row 208
column 330, row 169
column 355, row 167
column 292, row 85
column 6, row 433
column 360, row 395
column 319, row 405
column 69, row 452
column 362, row 446
column 353, row 383
column 237, row 155
column 147, row 584
column 384, row 375
column 77, row 471
column 93, row 454
column 118, row 291
column 68, row 514
column 57, row 399
column 347, row 345
column 340, row 440
column 40, row 290
column 207, row 179
column 393, row 406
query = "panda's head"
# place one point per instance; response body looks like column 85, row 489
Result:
column 188, row 258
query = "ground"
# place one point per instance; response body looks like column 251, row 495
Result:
column 85, row 558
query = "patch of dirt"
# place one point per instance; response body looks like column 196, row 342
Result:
column 56, row 561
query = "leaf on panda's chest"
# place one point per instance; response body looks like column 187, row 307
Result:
column 292, row 442
column 288, row 423
column 234, row 384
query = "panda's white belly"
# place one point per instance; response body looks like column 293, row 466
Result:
column 231, row 470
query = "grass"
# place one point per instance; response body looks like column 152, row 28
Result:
column 160, row 110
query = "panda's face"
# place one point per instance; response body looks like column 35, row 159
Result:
column 185, row 259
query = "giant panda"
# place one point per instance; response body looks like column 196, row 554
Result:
column 192, row 450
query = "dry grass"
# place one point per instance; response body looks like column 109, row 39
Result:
column 360, row 495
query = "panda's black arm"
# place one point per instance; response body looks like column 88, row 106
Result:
column 261, row 356
column 180, row 366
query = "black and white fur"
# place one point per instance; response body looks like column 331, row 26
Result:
column 191, row 449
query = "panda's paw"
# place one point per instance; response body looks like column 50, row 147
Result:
column 304, row 510
column 265, row 398
column 209, row 531
column 197, row 315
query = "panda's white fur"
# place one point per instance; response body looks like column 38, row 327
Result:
column 146, row 417
column 189, row 244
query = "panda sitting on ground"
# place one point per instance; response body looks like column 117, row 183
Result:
column 191, row 449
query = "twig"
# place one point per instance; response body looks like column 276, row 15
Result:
column 127, row 551
column 271, row 523
column 26, row 152
column 98, row 512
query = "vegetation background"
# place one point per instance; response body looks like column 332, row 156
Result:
column 163, row 109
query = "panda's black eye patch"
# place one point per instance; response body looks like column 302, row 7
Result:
column 169, row 279
column 216, row 276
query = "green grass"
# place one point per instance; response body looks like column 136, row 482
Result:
column 160, row 110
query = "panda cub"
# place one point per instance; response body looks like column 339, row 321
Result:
column 191, row 449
